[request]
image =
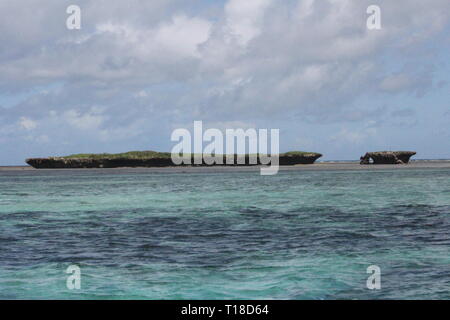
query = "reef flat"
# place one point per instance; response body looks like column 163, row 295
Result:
column 158, row 159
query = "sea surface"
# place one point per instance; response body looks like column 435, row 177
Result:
column 141, row 234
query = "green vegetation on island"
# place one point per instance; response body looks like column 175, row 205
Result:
column 125, row 155
column 155, row 154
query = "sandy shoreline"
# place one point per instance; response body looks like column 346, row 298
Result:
column 417, row 164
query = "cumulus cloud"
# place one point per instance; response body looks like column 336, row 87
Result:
column 244, row 19
column 87, row 121
column 354, row 137
column 27, row 124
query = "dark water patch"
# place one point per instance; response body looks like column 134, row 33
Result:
column 21, row 215
column 190, row 238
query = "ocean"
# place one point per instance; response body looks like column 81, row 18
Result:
column 143, row 234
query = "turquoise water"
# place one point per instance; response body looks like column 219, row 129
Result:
column 139, row 234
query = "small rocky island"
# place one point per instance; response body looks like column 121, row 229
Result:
column 387, row 157
column 150, row 159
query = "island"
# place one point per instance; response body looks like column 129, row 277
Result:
column 153, row 159
column 387, row 157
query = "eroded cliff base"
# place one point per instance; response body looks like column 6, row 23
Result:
column 387, row 157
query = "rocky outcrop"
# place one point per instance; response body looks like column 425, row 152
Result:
column 290, row 158
column 64, row 163
column 387, row 157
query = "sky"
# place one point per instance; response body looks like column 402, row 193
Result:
column 137, row 70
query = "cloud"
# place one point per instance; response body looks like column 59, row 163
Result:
column 346, row 136
column 416, row 82
column 183, row 35
column 137, row 69
column 243, row 19
column 27, row 124
column 90, row 120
